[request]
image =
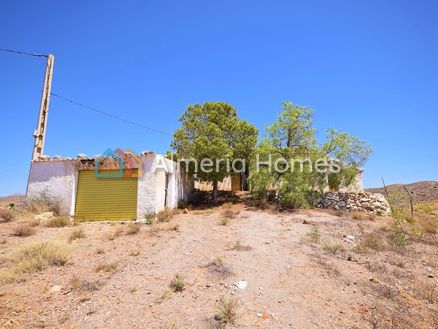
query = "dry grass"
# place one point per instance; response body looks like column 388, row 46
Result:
column 359, row 215
column 314, row 235
column 223, row 220
column 109, row 268
column 110, row 236
column 165, row 215
column 135, row 251
column 177, row 284
column 6, row 214
column 59, row 221
column 167, row 293
column 84, row 285
column 372, row 241
column 76, row 234
column 23, row 230
column 35, row 257
column 132, row 228
column 425, row 291
column 229, row 213
column 332, row 248
column 218, row 266
column 226, row 312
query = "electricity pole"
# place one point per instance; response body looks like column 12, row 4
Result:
column 40, row 132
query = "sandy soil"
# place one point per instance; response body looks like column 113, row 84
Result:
column 292, row 281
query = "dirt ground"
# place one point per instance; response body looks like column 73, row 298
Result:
column 301, row 272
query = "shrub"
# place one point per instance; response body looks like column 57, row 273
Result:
column 177, row 284
column 59, row 221
column 165, row 215
column 76, row 234
column 226, row 311
column 132, row 228
column 23, row 230
column 6, row 214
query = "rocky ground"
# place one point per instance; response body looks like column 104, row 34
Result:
column 309, row 269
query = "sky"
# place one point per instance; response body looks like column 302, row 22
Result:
column 368, row 68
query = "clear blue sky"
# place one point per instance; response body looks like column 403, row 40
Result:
column 369, row 68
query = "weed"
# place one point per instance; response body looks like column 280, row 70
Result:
column 338, row 213
column 76, row 234
column 314, row 235
column 165, row 215
column 6, row 214
column 110, row 267
column 177, row 284
column 332, row 248
column 223, row 220
column 385, row 290
column 226, row 311
column 23, row 230
column 429, row 226
column 238, row 246
column 132, row 229
column 60, row 221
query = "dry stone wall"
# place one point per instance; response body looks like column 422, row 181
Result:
column 349, row 201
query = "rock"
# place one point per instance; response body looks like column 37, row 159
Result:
column 241, row 284
column 55, row 289
column 185, row 211
column 374, row 280
column 349, row 238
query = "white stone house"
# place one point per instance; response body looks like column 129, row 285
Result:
column 152, row 183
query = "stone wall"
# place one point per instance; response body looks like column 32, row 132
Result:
column 349, row 201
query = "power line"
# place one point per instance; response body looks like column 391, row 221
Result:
column 109, row 115
column 22, row 53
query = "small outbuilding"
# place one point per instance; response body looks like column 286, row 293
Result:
column 105, row 187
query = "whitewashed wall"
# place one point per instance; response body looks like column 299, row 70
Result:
column 56, row 179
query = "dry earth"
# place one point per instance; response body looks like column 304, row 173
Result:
column 296, row 278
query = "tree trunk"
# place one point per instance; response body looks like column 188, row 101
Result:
column 214, row 190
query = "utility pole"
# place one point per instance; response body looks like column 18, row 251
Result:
column 40, row 132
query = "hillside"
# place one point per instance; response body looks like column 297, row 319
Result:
column 426, row 191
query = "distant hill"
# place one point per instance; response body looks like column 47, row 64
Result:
column 426, row 191
column 4, row 200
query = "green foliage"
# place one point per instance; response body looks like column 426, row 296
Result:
column 213, row 131
column 293, row 138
